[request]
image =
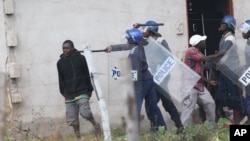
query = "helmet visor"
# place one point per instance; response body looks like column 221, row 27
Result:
column 124, row 37
column 244, row 27
column 127, row 38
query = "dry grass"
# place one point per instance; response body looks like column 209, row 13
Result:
column 192, row 133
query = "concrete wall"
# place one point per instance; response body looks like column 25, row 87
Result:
column 41, row 27
column 3, row 57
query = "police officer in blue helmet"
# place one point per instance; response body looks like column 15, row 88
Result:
column 228, row 23
column 143, row 85
column 151, row 30
column 245, row 30
column 244, row 27
column 228, row 95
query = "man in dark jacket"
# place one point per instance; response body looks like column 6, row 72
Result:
column 75, row 86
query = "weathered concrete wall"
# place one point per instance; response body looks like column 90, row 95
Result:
column 42, row 26
column 3, row 57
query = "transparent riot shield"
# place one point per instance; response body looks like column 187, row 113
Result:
column 235, row 64
column 121, row 88
column 169, row 72
column 115, row 89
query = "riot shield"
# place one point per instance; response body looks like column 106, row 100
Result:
column 235, row 64
column 120, row 92
column 169, row 72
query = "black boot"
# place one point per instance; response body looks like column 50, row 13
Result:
column 179, row 126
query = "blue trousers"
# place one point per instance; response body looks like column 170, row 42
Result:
column 230, row 95
column 168, row 105
column 146, row 90
column 248, row 100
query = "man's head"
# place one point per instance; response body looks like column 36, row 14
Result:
column 151, row 29
column 245, row 29
column 68, row 47
column 227, row 23
column 134, row 36
column 198, row 41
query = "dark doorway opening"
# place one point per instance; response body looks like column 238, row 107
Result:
column 204, row 18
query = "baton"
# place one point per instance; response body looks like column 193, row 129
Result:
column 157, row 24
column 100, row 50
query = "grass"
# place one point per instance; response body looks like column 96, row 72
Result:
column 197, row 132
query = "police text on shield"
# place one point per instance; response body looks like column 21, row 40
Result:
column 245, row 78
column 164, row 70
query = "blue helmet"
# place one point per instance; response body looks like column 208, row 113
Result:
column 229, row 21
column 134, row 36
column 248, row 22
column 245, row 26
column 152, row 28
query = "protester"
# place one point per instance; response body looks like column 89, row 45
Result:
column 75, row 86
column 194, row 59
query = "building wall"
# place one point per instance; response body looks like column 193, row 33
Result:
column 3, row 57
column 42, row 26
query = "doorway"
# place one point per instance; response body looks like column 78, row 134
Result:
column 204, row 18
